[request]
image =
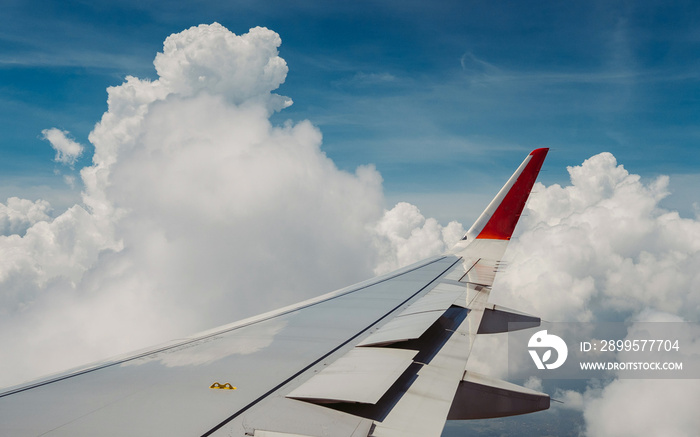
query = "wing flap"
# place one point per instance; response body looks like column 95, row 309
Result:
column 500, row 319
column 362, row 375
column 402, row 329
column 482, row 397
column 421, row 410
column 412, row 322
column 438, row 299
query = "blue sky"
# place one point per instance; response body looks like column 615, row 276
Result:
column 443, row 98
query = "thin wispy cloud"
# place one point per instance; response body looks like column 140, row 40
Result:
column 479, row 70
column 77, row 59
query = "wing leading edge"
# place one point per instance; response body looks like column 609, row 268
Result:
column 386, row 357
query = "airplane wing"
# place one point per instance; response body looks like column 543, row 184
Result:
column 385, row 357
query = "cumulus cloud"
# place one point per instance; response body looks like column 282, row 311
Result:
column 17, row 215
column 214, row 60
column 67, row 150
column 629, row 407
column 602, row 249
column 603, row 245
column 196, row 211
column 404, row 236
column 632, row 407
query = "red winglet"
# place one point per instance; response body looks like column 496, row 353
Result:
column 502, row 223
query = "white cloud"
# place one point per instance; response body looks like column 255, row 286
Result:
column 404, row 236
column 633, row 407
column 197, row 211
column 628, row 407
column 603, row 244
column 603, row 249
column 569, row 399
column 67, row 150
column 19, row 214
column 69, row 180
column 212, row 59
column 533, row 383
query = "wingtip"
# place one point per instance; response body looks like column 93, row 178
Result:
column 503, row 214
column 541, row 152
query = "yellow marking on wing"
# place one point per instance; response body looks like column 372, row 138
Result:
column 226, row 386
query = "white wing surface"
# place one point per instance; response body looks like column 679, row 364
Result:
column 386, row 357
